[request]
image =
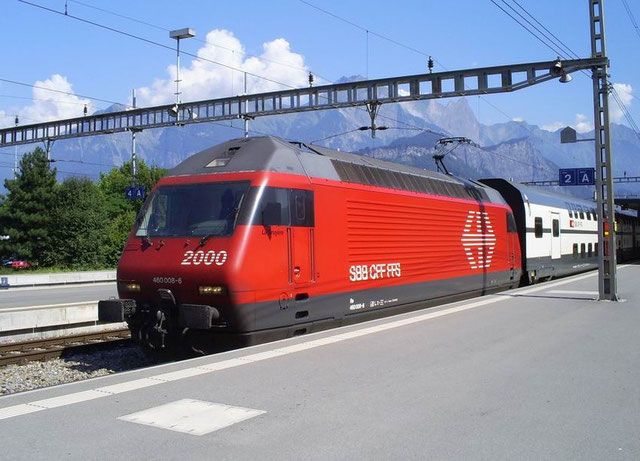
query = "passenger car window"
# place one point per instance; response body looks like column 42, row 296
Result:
column 538, row 227
column 556, row 228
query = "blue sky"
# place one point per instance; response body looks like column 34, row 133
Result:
column 281, row 38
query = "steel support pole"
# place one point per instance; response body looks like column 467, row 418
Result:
column 607, row 286
column 177, row 80
column 246, row 109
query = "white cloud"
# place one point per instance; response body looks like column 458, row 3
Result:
column 581, row 124
column 517, row 119
column 204, row 80
column 49, row 105
column 625, row 92
column 553, row 126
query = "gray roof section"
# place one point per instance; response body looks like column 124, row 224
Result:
column 269, row 153
column 275, row 154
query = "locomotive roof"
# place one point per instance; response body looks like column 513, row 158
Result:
column 269, row 153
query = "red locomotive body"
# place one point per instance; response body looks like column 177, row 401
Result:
column 258, row 239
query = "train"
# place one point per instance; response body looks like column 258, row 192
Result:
column 259, row 239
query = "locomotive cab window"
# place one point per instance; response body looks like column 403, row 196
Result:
column 278, row 207
column 206, row 209
column 302, row 209
column 538, row 227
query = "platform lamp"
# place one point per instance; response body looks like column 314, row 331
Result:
column 179, row 34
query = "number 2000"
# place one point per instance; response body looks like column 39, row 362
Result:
column 196, row 258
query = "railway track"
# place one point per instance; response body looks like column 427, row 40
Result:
column 45, row 349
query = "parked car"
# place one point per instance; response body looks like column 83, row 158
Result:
column 6, row 262
column 20, row 264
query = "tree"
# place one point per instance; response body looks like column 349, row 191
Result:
column 122, row 212
column 25, row 213
column 79, row 218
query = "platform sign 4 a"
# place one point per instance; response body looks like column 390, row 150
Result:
column 577, row 176
column 134, row 192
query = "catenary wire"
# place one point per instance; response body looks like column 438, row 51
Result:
column 631, row 17
column 151, row 42
column 15, row 82
column 165, row 29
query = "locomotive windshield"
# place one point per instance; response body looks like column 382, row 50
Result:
column 192, row 210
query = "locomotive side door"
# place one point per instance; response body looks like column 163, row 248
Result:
column 300, row 237
column 555, row 236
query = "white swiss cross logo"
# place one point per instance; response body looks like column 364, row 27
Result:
column 478, row 242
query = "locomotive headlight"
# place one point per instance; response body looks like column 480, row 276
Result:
column 130, row 286
column 211, row 290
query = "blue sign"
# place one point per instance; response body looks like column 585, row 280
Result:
column 586, row 176
column 134, row 192
column 577, row 176
column 568, row 177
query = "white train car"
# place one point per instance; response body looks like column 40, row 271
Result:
column 627, row 235
column 558, row 233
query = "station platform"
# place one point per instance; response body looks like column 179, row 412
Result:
column 542, row 372
column 55, row 278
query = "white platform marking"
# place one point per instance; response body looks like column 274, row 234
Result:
column 18, row 410
column 68, row 399
column 193, row 417
column 574, row 292
column 338, row 336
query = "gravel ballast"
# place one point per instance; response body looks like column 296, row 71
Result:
column 74, row 367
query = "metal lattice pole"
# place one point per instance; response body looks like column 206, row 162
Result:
column 607, row 286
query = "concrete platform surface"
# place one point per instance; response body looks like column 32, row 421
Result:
column 29, row 297
column 56, row 278
column 543, row 372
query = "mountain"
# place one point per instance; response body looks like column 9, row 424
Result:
column 514, row 150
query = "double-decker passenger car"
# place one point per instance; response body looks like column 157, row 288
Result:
column 558, row 234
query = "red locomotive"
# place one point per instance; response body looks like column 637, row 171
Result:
column 259, row 239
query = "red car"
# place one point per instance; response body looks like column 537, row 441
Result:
column 20, row 264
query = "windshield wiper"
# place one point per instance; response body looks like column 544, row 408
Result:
column 204, row 238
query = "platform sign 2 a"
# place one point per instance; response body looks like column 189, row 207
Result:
column 134, row 192
column 577, row 176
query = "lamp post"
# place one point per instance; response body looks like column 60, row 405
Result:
column 179, row 34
